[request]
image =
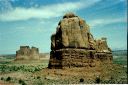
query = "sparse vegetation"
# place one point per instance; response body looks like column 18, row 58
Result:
column 24, row 72
column 21, row 67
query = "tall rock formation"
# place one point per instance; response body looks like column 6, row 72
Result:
column 74, row 46
column 27, row 53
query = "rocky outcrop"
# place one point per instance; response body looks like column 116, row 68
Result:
column 74, row 46
column 26, row 52
column 72, row 32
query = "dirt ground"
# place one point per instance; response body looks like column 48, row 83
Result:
column 103, row 74
column 37, row 73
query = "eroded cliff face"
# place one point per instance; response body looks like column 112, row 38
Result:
column 74, row 46
column 27, row 53
column 72, row 32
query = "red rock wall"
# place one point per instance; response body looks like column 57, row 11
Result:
column 74, row 46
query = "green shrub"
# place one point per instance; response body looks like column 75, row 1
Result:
column 36, row 69
column 8, row 79
column 97, row 80
column 38, row 77
column 2, row 78
column 22, row 82
column 81, row 80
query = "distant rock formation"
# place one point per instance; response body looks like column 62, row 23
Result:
column 26, row 52
column 74, row 46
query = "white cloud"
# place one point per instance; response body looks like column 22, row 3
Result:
column 49, row 11
column 5, row 6
column 102, row 22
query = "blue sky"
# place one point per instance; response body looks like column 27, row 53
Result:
column 31, row 22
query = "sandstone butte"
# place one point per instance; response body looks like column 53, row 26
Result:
column 27, row 53
column 74, row 46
